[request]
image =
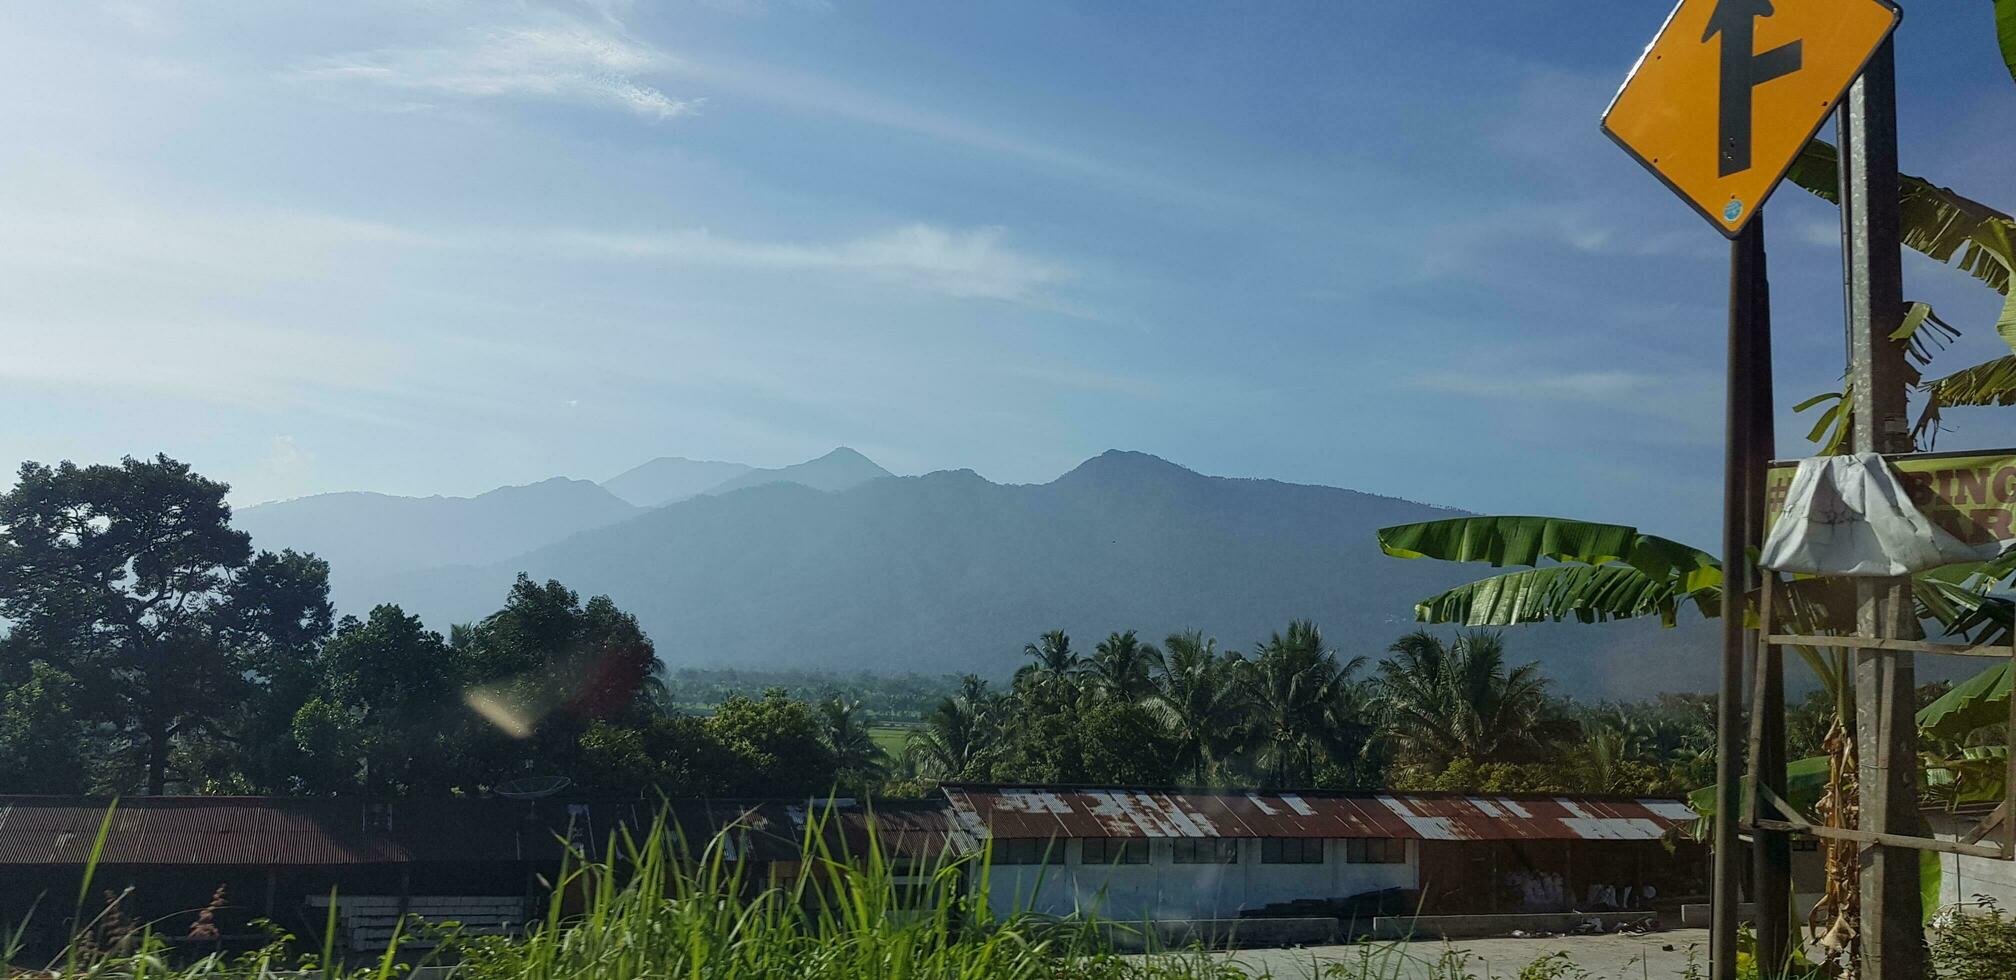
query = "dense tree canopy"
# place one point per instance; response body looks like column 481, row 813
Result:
column 131, row 580
column 149, row 648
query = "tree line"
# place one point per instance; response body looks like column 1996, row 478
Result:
column 149, row 647
column 1431, row 714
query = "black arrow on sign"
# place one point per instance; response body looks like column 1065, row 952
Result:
column 1742, row 71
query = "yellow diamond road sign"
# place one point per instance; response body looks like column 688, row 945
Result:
column 1730, row 91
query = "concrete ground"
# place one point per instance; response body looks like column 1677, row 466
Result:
column 1653, row 956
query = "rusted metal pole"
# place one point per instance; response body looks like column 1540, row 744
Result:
column 1726, row 888
column 1886, row 735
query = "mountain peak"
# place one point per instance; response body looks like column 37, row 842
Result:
column 840, row 469
column 1127, row 464
column 669, row 478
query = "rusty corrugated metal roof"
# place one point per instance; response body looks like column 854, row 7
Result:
column 904, row 830
column 1039, row 812
column 292, row 831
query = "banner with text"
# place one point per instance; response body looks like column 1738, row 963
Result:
column 1971, row 495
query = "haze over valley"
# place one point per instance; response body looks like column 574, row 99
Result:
column 834, row 564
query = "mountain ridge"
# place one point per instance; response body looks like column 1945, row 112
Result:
column 841, row 468
column 947, row 572
column 666, row 479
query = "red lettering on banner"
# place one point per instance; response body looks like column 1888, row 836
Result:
column 2005, row 484
column 1971, row 484
column 1945, row 478
column 1994, row 522
column 1919, row 486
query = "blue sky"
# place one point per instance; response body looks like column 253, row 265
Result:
column 440, row 246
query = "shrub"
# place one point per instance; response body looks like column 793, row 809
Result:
column 1975, row 946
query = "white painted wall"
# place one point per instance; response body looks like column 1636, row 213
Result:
column 1962, row 877
column 1163, row 889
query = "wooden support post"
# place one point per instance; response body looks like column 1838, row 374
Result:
column 1886, row 734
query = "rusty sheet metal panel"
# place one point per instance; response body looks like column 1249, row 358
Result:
column 906, row 832
column 1040, row 812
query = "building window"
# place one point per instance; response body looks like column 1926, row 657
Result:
column 1028, row 850
column 1375, row 850
column 1206, row 850
column 1112, row 850
column 1291, row 850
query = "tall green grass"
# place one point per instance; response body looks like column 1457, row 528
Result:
column 655, row 907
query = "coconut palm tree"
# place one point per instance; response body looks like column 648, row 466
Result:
column 959, row 735
column 1442, row 703
column 1305, row 703
column 1201, row 698
column 856, row 757
column 1054, row 664
column 1119, row 666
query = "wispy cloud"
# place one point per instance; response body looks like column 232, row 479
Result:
column 1565, row 386
column 966, row 264
column 1684, row 400
column 562, row 61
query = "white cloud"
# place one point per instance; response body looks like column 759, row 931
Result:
column 288, row 470
column 1569, row 386
column 969, row 264
column 565, row 61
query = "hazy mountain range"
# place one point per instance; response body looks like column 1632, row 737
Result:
column 836, row 564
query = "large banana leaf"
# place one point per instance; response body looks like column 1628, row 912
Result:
column 1935, row 220
column 1805, row 781
column 1976, row 702
column 1943, row 224
column 1526, row 540
column 2005, row 31
column 1975, row 774
column 1988, row 383
column 1587, row 593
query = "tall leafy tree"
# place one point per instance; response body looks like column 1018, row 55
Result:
column 43, row 739
column 386, row 700
column 777, row 744
column 543, row 669
column 132, row 577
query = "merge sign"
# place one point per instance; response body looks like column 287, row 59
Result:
column 1726, row 96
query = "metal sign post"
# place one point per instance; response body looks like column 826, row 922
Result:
column 1746, row 262
column 1770, row 851
column 1886, row 733
column 1719, row 105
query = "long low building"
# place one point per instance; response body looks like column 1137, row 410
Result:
column 1117, row 853
column 1130, row 854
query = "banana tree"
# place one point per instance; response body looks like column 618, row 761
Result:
column 1604, row 572
column 1946, row 227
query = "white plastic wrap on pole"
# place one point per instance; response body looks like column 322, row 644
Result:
column 1851, row 516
